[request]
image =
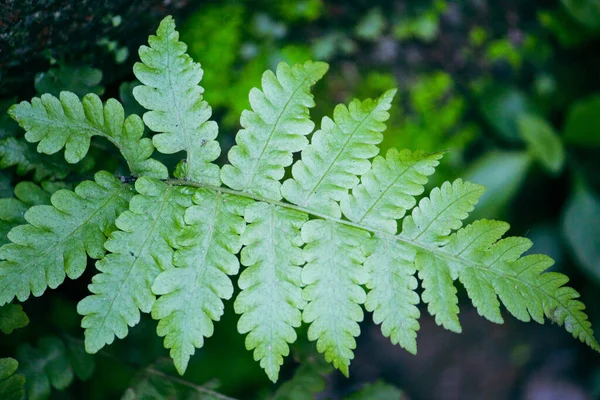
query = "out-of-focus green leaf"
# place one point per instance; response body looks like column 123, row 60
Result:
column 502, row 172
column 308, row 10
column 11, row 384
column 502, row 106
column 5, row 187
column 307, row 382
column 586, row 12
column 12, row 317
column 583, row 122
column 544, row 144
column 377, row 391
column 566, row 29
column 79, row 80
column 582, row 230
column 371, row 26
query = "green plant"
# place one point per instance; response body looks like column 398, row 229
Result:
column 310, row 244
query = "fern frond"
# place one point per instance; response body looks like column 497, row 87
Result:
column 392, row 297
column 12, row 385
column 53, row 364
column 389, row 188
column 70, row 123
column 338, row 152
column 16, row 152
column 178, row 112
column 191, row 293
column 12, row 209
column 12, row 317
column 140, row 249
column 271, row 296
column 333, row 274
column 274, row 129
column 57, row 237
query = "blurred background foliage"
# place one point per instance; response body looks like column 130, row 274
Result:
column 509, row 89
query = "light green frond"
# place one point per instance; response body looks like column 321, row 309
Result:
column 271, row 296
column 140, row 249
column 389, row 188
column 392, row 297
column 338, row 152
column 56, row 239
column 70, row 123
column 274, row 129
column 334, row 273
column 439, row 292
column 178, row 112
column 191, row 294
column 12, row 385
column 437, row 215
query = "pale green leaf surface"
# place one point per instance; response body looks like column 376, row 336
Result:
column 12, row 385
column 439, row 292
column 392, row 297
column 12, row 209
column 70, row 123
column 333, row 276
column 57, row 238
column 338, row 152
column 274, row 129
column 441, row 212
column 170, row 90
column 12, row 317
column 389, row 188
column 271, row 296
column 140, row 249
column 191, row 294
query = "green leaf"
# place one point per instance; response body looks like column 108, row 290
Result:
column 441, row 212
column 70, row 123
column 377, row 391
column 392, row 297
column 583, row 119
column 16, row 152
column 12, row 317
column 338, row 152
column 586, row 12
column 191, row 293
column 502, row 173
column 389, row 188
column 543, row 142
column 79, row 80
column 271, row 296
column 140, row 249
column 12, row 386
column 178, row 112
column 274, row 129
column 333, row 276
column 501, row 106
column 581, row 230
column 307, row 382
column 45, row 367
column 57, row 238
column 12, row 210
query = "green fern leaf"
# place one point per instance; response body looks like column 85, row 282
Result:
column 12, row 210
column 191, row 293
column 178, row 113
column 12, row 386
column 70, row 123
column 12, row 317
column 338, row 152
column 389, row 188
column 57, row 237
column 271, row 296
column 392, row 297
column 16, row 152
column 50, row 365
column 274, row 129
column 140, row 249
column 333, row 274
